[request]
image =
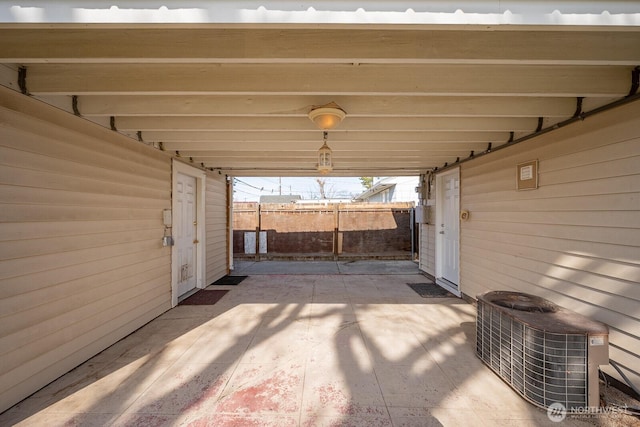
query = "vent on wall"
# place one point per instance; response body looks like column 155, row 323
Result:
column 546, row 353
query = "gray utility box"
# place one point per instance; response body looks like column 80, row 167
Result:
column 422, row 214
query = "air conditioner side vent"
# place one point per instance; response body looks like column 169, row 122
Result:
column 544, row 354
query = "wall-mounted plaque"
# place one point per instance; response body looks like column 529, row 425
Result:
column 527, row 175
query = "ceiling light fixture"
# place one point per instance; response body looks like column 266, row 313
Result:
column 326, row 117
column 325, row 164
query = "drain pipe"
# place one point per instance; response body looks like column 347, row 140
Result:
column 624, row 377
column 635, row 81
column 556, row 126
column 633, row 96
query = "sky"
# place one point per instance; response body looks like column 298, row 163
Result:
column 249, row 189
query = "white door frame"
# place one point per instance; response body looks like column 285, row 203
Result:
column 451, row 287
column 199, row 175
column 230, row 223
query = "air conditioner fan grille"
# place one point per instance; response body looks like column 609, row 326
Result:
column 544, row 368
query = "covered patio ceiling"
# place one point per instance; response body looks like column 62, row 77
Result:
column 235, row 98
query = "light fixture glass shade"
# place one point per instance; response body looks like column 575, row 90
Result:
column 324, row 159
column 328, row 116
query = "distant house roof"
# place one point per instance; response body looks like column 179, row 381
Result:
column 373, row 191
column 403, row 188
column 285, row 198
column 379, row 186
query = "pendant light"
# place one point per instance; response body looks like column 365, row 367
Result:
column 326, row 117
column 325, row 164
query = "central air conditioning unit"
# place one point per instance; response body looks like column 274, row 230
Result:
column 546, row 353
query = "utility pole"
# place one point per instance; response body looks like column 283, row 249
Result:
column 280, row 185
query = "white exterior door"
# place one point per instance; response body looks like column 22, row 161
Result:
column 448, row 229
column 185, row 233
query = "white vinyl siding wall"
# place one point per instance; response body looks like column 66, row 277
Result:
column 576, row 239
column 428, row 247
column 81, row 259
column 216, row 209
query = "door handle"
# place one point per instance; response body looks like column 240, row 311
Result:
column 196, row 241
column 441, row 232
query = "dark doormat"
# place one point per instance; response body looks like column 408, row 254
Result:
column 204, row 297
column 430, row 290
column 229, row 280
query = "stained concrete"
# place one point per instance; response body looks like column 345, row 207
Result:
column 285, row 349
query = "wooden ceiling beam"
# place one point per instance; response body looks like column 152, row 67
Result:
column 244, row 147
column 337, row 172
column 361, row 106
column 236, row 98
column 310, row 163
column 594, row 46
column 302, row 124
column 337, row 152
column 202, row 139
column 328, row 80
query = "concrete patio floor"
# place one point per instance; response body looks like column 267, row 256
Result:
column 306, row 349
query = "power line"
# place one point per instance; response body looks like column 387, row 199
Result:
column 304, row 186
column 248, row 185
column 235, row 190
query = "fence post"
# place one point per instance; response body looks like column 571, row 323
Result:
column 258, row 213
column 336, row 234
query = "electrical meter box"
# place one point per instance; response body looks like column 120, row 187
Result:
column 422, row 214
